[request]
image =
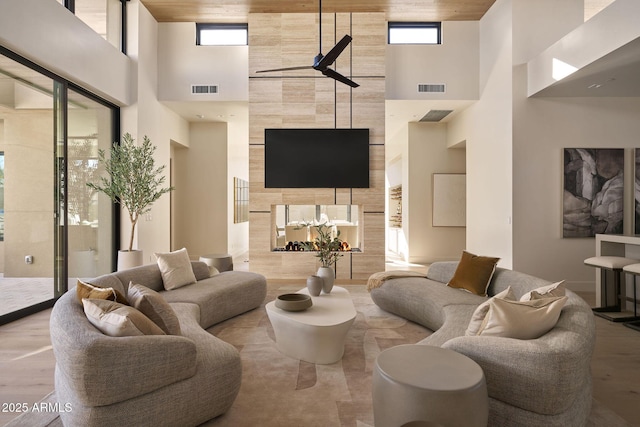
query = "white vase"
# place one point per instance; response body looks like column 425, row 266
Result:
column 129, row 259
column 314, row 285
column 328, row 277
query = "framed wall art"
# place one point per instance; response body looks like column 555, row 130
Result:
column 593, row 192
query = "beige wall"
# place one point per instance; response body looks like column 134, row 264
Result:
column 181, row 63
column 453, row 63
column 428, row 154
column 147, row 116
column 201, row 191
column 45, row 32
column 28, row 195
column 277, row 40
column 488, row 142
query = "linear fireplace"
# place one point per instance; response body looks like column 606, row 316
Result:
column 294, row 225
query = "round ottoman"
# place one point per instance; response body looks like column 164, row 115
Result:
column 221, row 262
column 426, row 385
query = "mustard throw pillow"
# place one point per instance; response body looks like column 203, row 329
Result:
column 474, row 273
column 87, row 290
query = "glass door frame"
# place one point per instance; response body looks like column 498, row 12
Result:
column 61, row 87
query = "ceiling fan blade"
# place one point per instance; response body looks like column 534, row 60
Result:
column 330, row 72
column 302, row 67
column 333, row 54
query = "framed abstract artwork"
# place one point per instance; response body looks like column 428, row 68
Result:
column 636, row 192
column 593, row 192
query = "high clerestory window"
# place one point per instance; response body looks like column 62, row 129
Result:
column 222, row 34
column 415, row 33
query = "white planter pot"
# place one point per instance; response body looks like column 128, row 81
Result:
column 129, row 259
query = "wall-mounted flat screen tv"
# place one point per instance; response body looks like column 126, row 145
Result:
column 316, row 158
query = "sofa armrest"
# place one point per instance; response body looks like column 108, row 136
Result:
column 543, row 375
column 101, row 370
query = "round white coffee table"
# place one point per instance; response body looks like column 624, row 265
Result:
column 416, row 383
column 317, row 334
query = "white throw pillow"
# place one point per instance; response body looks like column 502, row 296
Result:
column 522, row 319
column 553, row 290
column 481, row 311
column 151, row 304
column 176, row 269
column 118, row 320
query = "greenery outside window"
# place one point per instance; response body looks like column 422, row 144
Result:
column 415, row 33
column 222, row 34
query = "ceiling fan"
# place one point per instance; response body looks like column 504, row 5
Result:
column 321, row 62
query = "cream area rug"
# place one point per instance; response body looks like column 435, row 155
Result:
column 280, row 391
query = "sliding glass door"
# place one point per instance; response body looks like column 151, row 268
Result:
column 52, row 229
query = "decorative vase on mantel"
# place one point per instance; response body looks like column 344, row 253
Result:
column 328, row 277
column 314, row 285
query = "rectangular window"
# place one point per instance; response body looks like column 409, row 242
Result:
column 222, row 34
column 415, row 33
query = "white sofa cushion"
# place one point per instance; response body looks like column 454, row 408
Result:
column 481, row 311
column 176, row 269
column 553, row 290
column 118, row 320
column 521, row 319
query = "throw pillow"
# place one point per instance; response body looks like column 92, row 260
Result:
column 481, row 311
column 152, row 305
column 176, row 269
column 474, row 273
column 552, row 290
column 118, row 320
column 87, row 290
column 522, row 319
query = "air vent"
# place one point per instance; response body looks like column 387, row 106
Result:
column 431, row 88
column 204, row 89
column 435, row 115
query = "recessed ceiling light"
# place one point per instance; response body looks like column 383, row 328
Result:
column 200, row 116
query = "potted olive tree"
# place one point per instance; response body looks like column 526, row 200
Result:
column 134, row 182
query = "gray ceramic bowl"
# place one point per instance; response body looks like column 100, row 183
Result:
column 293, row 302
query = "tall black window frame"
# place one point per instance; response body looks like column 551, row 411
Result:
column 71, row 6
column 437, row 26
column 60, row 145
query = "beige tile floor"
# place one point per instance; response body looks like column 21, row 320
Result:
column 17, row 293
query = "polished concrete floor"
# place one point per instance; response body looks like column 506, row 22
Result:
column 27, row 363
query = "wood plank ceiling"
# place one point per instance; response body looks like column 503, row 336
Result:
column 237, row 10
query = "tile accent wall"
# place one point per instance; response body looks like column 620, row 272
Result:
column 307, row 99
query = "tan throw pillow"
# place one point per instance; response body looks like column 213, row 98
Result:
column 481, row 311
column 87, row 290
column 176, row 269
column 151, row 304
column 553, row 290
column 523, row 320
column 474, row 273
column 118, row 320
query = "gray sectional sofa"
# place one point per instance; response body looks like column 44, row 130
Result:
column 155, row 380
column 539, row 382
